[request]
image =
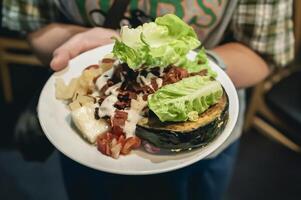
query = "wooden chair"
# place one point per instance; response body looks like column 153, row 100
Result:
column 11, row 53
column 264, row 117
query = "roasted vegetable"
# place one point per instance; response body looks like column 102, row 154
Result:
column 187, row 135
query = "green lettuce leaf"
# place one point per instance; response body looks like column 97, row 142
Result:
column 161, row 43
column 199, row 63
column 180, row 101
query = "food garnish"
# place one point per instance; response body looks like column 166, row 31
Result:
column 148, row 78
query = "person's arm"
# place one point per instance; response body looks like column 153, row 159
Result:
column 265, row 41
column 45, row 40
column 56, row 44
column 244, row 66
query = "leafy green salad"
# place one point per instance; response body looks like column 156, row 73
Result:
column 163, row 43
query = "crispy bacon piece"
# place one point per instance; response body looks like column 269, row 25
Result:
column 119, row 118
column 201, row 73
column 103, row 142
column 125, row 98
column 121, row 105
column 144, row 97
column 126, row 95
column 104, row 89
column 154, row 84
column 147, row 90
column 174, row 74
column 118, row 72
column 121, row 140
column 101, row 99
column 136, row 88
column 155, row 71
column 110, row 82
column 117, row 131
column 96, row 114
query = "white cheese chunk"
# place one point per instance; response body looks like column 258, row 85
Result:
column 89, row 127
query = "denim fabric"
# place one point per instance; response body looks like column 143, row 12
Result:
column 204, row 180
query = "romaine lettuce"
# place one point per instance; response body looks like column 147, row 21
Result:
column 180, row 101
column 159, row 44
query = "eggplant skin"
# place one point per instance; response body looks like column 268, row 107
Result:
column 175, row 141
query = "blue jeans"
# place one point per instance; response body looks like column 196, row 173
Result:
column 204, row 180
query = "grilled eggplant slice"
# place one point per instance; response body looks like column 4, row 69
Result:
column 181, row 136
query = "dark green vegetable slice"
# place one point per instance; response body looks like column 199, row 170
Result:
column 181, row 136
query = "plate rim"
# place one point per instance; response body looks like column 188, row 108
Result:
column 131, row 172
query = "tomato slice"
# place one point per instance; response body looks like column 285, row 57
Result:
column 115, row 150
column 117, row 131
column 103, row 143
column 121, row 140
column 130, row 143
column 111, row 145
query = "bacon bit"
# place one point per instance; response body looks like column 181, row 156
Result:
column 132, row 95
column 116, row 78
column 110, row 82
column 121, row 140
column 103, row 142
column 155, row 71
column 104, row 89
column 119, row 118
column 106, row 136
column 130, row 143
column 144, row 73
column 147, row 90
column 174, row 74
column 102, row 145
column 201, row 73
column 117, row 131
column 96, row 114
column 121, row 105
column 101, row 99
column 108, row 60
column 92, row 67
column 137, row 88
column 154, row 84
column 144, row 97
column 126, row 95
column 124, row 98
column 89, row 91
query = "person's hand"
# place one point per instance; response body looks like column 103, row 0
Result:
column 79, row 43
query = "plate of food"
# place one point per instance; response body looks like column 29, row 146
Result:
column 149, row 103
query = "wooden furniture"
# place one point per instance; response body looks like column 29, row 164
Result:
column 297, row 24
column 268, row 122
column 8, row 55
column 260, row 115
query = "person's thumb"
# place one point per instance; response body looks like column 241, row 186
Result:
column 60, row 60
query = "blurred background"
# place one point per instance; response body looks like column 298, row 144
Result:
column 269, row 161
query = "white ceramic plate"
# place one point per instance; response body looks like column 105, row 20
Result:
column 55, row 118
